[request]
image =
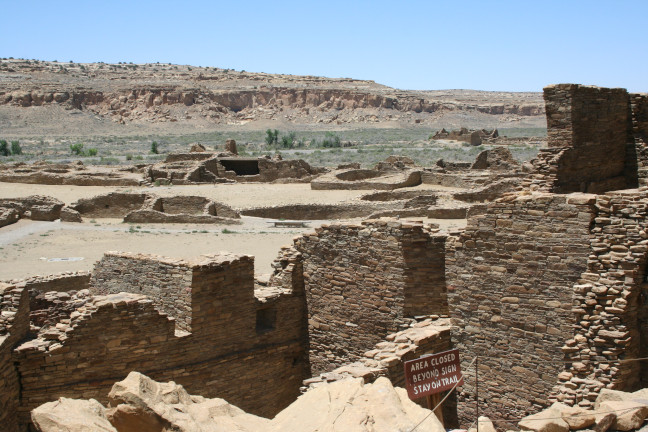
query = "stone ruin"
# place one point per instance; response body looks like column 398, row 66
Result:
column 150, row 208
column 546, row 286
column 225, row 167
column 76, row 173
column 393, row 173
column 472, row 137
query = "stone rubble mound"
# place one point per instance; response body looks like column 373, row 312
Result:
column 140, row 404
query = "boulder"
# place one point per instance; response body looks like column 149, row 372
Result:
column 604, row 422
column 616, row 395
column 576, row 417
column 485, row 425
column 70, row 215
column 71, row 415
column 138, row 403
column 350, row 405
column 629, row 414
column 549, row 420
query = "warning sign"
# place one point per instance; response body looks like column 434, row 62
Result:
column 432, row 374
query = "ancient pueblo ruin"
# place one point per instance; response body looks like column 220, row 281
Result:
column 543, row 292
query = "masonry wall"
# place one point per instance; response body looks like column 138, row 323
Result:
column 510, row 278
column 165, row 280
column 639, row 109
column 591, row 125
column 610, row 307
column 225, row 356
column 61, row 282
column 366, row 281
column 14, row 325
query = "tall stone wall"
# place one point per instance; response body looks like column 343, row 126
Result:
column 590, row 126
column 639, row 109
column 366, row 281
column 14, row 325
column 227, row 354
column 510, row 277
column 610, row 307
column 165, row 280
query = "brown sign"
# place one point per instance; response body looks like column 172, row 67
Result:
column 432, row 374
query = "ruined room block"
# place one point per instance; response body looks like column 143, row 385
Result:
column 592, row 127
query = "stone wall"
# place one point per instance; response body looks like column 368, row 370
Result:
column 610, row 307
column 590, row 125
column 510, row 278
column 639, row 109
column 366, row 281
column 62, row 282
column 14, row 325
column 167, row 281
column 228, row 354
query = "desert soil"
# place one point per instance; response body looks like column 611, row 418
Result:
column 30, row 248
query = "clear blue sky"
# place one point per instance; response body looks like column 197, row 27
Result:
column 518, row 45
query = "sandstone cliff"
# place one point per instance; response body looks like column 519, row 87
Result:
column 164, row 93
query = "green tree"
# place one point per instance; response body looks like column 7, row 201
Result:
column 154, row 147
column 4, row 148
column 288, row 141
column 76, row 149
column 15, row 148
column 272, row 137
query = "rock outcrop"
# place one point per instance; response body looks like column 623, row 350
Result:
column 141, row 404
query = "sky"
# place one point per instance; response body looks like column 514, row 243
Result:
column 520, row 45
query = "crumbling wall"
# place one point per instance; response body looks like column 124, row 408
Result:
column 166, row 281
column 66, row 281
column 226, row 355
column 610, row 304
column 639, row 110
column 364, row 282
column 14, row 325
column 510, row 277
column 111, row 205
column 588, row 134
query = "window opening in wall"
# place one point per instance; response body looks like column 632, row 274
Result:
column 266, row 320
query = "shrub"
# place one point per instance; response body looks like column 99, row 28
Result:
column 4, row 148
column 154, row 147
column 76, row 149
column 92, row 152
column 272, row 137
column 15, row 148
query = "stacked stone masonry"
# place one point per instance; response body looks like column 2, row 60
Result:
column 225, row 355
column 596, row 138
column 510, row 278
column 366, row 281
column 609, row 304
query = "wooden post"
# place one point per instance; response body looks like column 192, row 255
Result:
column 432, row 401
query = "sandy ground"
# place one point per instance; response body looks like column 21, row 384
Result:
column 28, row 248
